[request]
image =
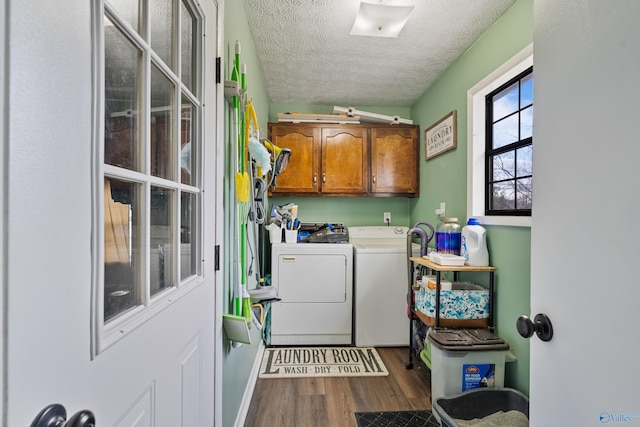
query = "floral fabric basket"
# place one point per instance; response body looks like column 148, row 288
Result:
column 465, row 300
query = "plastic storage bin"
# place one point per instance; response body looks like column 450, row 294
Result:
column 465, row 359
column 479, row 403
column 465, row 305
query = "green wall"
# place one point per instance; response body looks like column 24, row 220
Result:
column 350, row 211
column 237, row 362
column 444, row 178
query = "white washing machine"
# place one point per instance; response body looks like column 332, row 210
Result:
column 315, row 287
column 381, row 285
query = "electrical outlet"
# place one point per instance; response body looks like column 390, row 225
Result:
column 387, row 217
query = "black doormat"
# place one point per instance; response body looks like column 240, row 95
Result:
column 396, row 419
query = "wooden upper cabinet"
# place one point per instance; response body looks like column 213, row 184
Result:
column 395, row 160
column 344, row 155
column 348, row 160
column 301, row 173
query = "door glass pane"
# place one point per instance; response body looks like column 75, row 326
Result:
column 161, row 21
column 162, row 152
column 186, row 135
column 186, row 62
column 188, row 248
column 121, row 246
column 505, row 131
column 162, row 248
column 128, row 11
column 122, row 73
column 505, row 102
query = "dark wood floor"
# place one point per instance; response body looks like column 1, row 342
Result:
column 331, row 402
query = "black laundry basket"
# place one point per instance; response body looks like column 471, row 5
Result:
column 479, row 403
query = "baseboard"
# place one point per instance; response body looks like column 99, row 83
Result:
column 251, row 384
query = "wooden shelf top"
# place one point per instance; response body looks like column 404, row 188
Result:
column 432, row 265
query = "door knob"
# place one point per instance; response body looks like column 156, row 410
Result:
column 83, row 418
column 541, row 326
column 56, row 416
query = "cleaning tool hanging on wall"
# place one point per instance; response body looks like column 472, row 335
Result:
column 257, row 151
column 236, row 325
column 280, row 159
column 236, row 127
column 243, row 183
column 258, row 314
column 246, row 304
column 261, row 156
column 236, row 329
column 249, row 119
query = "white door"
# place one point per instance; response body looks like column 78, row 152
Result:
column 585, row 231
column 152, row 362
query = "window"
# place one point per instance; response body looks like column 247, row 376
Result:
column 509, row 139
column 150, row 158
column 499, row 144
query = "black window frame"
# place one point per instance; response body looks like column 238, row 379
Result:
column 490, row 152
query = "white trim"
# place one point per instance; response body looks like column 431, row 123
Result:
column 4, row 193
column 97, row 176
column 475, row 137
column 251, row 384
column 218, row 148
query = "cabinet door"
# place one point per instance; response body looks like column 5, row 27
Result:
column 301, row 173
column 395, row 160
column 344, row 160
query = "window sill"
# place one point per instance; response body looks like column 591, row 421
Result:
column 511, row 221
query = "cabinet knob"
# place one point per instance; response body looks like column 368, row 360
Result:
column 315, row 179
column 324, row 177
column 374, row 179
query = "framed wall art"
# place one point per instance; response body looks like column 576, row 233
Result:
column 441, row 136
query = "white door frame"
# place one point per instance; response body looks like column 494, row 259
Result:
column 219, row 219
column 3, row 220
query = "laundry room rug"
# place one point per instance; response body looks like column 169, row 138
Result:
column 396, row 419
column 300, row 362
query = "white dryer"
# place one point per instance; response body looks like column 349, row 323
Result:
column 315, row 287
column 380, row 285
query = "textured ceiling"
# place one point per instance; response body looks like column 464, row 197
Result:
column 308, row 57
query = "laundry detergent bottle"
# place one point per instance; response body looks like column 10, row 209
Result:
column 473, row 245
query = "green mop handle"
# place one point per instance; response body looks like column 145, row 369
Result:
column 235, row 76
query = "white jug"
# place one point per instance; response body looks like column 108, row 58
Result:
column 473, row 245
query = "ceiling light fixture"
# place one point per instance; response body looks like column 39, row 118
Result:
column 380, row 20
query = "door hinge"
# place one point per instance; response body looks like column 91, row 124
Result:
column 218, row 70
column 217, row 258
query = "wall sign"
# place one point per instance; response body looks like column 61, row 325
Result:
column 441, row 136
